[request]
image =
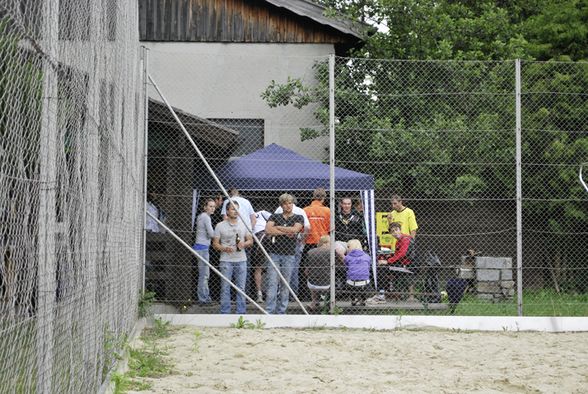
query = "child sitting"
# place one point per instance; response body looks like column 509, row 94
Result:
column 358, row 271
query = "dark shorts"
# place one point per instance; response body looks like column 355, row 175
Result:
column 258, row 259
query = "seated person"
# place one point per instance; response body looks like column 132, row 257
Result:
column 400, row 257
column 357, row 263
column 340, row 271
column 318, row 270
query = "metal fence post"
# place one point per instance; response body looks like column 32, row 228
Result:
column 143, row 254
column 519, row 188
column 47, row 219
column 332, row 172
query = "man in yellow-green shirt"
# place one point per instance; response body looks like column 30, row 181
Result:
column 404, row 216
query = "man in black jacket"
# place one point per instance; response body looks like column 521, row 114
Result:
column 349, row 224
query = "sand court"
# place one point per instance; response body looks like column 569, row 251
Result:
column 355, row 360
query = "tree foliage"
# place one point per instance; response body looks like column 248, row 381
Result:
column 448, row 126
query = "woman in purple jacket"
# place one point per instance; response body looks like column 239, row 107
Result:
column 357, row 263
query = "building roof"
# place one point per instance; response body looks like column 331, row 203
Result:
column 199, row 128
column 316, row 13
column 247, row 21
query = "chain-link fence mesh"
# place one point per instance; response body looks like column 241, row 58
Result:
column 71, row 186
column 428, row 144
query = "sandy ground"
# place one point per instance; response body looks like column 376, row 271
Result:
column 357, row 361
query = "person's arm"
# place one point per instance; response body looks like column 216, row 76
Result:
column 253, row 220
column 208, row 227
column 412, row 225
column 400, row 251
column 270, row 228
column 296, row 228
column 290, row 230
column 217, row 246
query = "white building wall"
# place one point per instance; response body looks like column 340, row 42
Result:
column 224, row 80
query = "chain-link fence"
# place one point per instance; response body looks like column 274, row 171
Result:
column 71, row 191
column 477, row 162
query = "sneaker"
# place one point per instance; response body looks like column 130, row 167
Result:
column 259, row 297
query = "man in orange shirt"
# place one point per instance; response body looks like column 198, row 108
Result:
column 319, row 217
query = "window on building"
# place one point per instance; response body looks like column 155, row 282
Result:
column 251, row 135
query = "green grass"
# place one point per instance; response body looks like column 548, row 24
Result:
column 161, row 329
column 123, row 383
column 535, row 303
column 242, row 323
column 145, row 302
column 148, row 361
column 545, row 302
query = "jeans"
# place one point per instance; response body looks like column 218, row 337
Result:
column 235, row 271
column 203, row 274
column 285, row 263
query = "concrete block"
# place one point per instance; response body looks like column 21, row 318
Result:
column 487, row 262
column 507, row 284
column 466, row 273
column 508, row 293
column 506, row 274
column 489, row 287
column 508, row 262
column 487, row 275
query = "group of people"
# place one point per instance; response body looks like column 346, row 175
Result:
column 298, row 242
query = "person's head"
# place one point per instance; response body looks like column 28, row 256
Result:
column 340, row 249
column 345, row 205
column 397, row 203
column 354, row 244
column 324, row 240
column 319, row 194
column 219, row 199
column 358, row 206
column 233, row 192
column 286, row 202
column 232, row 213
column 209, row 206
column 394, row 229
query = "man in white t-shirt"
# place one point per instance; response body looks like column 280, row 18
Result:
column 246, row 211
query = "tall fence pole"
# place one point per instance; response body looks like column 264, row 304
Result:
column 332, row 172
column 47, row 220
column 519, row 188
column 145, row 54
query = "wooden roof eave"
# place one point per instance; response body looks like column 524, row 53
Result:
column 198, row 128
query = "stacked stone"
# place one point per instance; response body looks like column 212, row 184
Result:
column 494, row 278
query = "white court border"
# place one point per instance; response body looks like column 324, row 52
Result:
column 390, row 322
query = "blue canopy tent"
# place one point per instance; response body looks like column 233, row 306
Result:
column 277, row 168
